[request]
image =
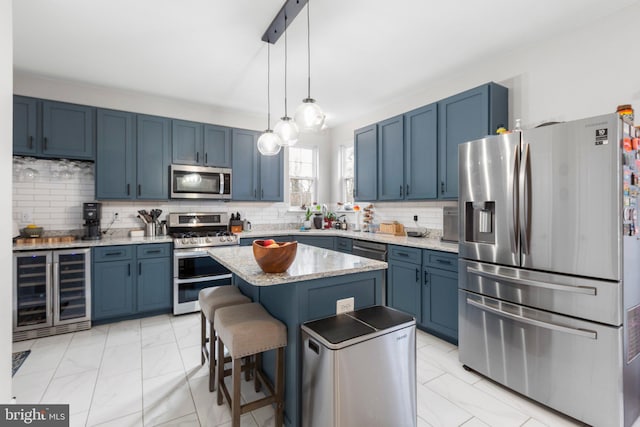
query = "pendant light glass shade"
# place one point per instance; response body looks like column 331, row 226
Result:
column 309, row 116
column 286, row 128
column 269, row 143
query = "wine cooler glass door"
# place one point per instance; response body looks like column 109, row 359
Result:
column 71, row 272
column 32, row 293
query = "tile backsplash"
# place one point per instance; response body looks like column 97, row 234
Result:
column 50, row 193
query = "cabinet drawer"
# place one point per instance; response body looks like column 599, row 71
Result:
column 443, row 260
column 403, row 253
column 344, row 244
column 112, row 253
column 154, row 250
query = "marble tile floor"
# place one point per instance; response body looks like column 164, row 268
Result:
column 147, row 372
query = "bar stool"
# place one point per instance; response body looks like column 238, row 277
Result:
column 210, row 300
column 248, row 330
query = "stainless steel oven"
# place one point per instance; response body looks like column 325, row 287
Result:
column 195, row 234
column 199, row 182
column 194, row 270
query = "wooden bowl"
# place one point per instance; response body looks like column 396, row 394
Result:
column 274, row 259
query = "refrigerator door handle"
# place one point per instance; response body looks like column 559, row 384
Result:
column 525, row 195
column 585, row 290
column 513, row 194
column 552, row 326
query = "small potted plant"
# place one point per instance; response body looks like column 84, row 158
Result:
column 307, row 220
column 330, row 218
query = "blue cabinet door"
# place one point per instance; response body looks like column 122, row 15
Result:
column 217, row 146
column 403, row 283
column 272, row 177
column 440, row 302
column 325, row 242
column 245, row 165
column 25, row 126
column 154, row 284
column 113, row 289
column 464, row 117
column 365, row 164
column 115, row 155
column 421, row 153
column 67, row 130
column 153, row 157
column 391, row 159
column 187, row 142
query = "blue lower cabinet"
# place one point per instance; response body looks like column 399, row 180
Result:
column 325, row 242
column 113, row 289
column 403, row 287
column 344, row 244
column 440, row 303
column 131, row 281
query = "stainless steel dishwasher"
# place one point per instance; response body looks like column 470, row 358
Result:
column 359, row 369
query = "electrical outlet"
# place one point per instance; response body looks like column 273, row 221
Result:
column 345, row 305
column 26, row 217
column 415, row 218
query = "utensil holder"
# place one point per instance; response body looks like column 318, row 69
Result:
column 150, row 230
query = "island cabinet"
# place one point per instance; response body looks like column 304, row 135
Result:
column 131, row 281
column 307, row 291
column 52, row 129
column 133, row 156
column 469, row 115
column 255, row 177
column 424, row 283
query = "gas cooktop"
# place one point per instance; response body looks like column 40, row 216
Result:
column 200, row 230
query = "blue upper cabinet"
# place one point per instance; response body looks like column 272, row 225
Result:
column 365, row 164
column 67, row 130
column 25, row 112
column 421, row 153
column 53, row 129
column 187, row 142
column 391, row 159
column 245, row 165
column 469, row 115
column 153, row 157
column 255, row 177
column 217, row 146
column 115, row 155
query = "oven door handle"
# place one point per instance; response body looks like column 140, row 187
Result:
column 585, row 290
column 202, row 279
column 552, row 326
column 190, row 254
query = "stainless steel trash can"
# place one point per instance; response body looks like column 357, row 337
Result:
column 359, row 369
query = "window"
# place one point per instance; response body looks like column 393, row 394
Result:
column 303, row 175
column 346, row 173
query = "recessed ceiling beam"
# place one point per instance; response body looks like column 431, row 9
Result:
column 290, row 10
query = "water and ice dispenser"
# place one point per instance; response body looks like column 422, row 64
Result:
column 480, row 222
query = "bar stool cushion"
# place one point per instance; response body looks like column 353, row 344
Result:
column 248, row 329
column 216, row 297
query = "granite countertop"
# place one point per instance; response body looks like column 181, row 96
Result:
column 105, row 241
column 310, row 263
column 414, row 242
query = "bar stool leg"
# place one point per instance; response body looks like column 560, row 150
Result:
column 220, row 369
column 279, row 410
column 257, row 385
column 203, row 338
column 235, row 400
column 213, row 360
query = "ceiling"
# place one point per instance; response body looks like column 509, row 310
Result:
column 364, row 53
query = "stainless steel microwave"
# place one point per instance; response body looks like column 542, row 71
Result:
column 198, row 182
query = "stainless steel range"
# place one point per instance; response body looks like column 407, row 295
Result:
column 194, row 234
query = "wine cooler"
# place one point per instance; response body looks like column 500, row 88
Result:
column 52, row 292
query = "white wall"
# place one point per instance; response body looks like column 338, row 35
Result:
column 581, row 74
column 6, row 148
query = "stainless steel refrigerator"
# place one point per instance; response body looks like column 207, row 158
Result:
column 549, row 266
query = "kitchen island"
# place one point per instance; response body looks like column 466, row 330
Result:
column 308, row 290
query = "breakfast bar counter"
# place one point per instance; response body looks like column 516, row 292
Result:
column 308, row 290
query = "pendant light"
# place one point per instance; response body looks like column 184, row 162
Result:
column 269, row 143
column 286, row 128
column 309, row 116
